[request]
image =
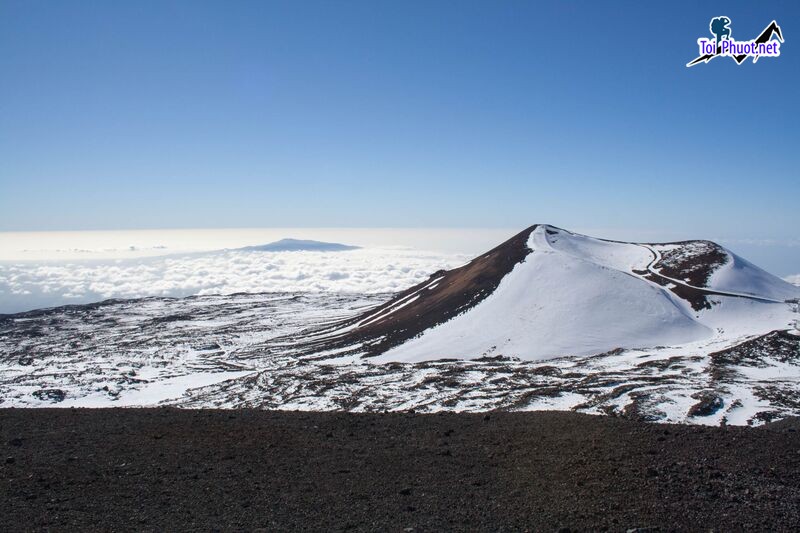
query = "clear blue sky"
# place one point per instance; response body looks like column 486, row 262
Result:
column 496, row 114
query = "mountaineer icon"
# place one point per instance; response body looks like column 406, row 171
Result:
column 719, row 28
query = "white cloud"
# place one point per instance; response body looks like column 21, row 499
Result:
column 793, row 279
column 25, row 286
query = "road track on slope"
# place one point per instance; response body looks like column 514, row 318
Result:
column 657, row 257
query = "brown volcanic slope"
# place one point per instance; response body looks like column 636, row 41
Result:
column 451, row 293
column 696, row 267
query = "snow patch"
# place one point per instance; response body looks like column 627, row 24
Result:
column 741, row 276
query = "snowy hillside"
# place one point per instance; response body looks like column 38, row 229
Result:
column 570, row 296
column 550, row 293
column 741, row 276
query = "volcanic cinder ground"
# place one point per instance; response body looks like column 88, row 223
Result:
column 253, row 470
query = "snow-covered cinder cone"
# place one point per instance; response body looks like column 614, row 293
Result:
column 548, row 293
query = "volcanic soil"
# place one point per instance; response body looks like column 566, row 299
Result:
column 205, row 470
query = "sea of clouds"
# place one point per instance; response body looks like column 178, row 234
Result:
column 36, row 280
column 32, row 285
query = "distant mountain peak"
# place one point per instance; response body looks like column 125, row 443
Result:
column 299, row 245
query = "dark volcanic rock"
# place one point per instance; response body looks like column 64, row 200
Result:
column 709, row 404
column 780, row 345
column 692, row 261
column 103, row 469
column 52, row 395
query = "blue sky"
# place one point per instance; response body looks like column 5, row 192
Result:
column 487, row 114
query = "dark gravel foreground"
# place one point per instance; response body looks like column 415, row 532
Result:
column 167, row 469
